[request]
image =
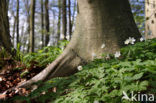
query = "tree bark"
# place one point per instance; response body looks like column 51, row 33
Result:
column 5, row 38
column 108, row 22
column 47, row 22
column 69, row 19
column 73, row 17
column 11, row 6
column 32, row 20
column 59, row 21
column 27, row 7
column 17, row 23
column 64, row 19
column 14, row 28
column 42, row 23
column 28, row 31
column 150, row 23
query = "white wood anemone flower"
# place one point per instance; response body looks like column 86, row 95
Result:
column 117, row 54
column 79, row 68
column 103, row 46
column 127, row 42
column 130, row 40
column 142, row 39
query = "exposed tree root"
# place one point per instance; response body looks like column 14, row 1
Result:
column 64, row 65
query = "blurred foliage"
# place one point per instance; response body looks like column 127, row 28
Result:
column 3, row 54
column 46, row 55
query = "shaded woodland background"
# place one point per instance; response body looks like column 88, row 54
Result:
column 54, row 21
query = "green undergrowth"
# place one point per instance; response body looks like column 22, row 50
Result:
column 3, row 54
column 44, row 56
column 103, row 81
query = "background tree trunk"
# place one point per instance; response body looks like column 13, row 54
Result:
column 13, row 33
column 69, row 19
column 32, row 20
column 42, row 23
column 73, row 17
column 64, row 19
column 4, row 28
column 59, row 21
column 17, row 23
column 27, row 7
column 47, row 22
column 108, row 22
column 14, row 23
column 150, row 23
column 28, row 31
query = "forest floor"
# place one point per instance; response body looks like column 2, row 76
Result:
column 14, row 71
column 10, row 77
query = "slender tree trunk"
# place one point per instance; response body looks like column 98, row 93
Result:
column 17, row 23
column 14, row 24
column 64, row 19
column 42, row 23
column 53, row 30
column 74, row 11
column 47, row 22
column 28, row 31
column 150, row 23
column 5, row 38
column 59, row 21
column 14, row 28
column 69, row 19
column 27, row 7
column 32, row 20
column 99, row 22
column 22, row 32
column 22, row 38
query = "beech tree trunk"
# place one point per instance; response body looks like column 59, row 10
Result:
column 17, row 23
column 47, row 38
column 150, row 23
column 108, row 22
column 13, row 33
column 27, row 7
column 69, row 19
column 73, row 17
column 64, row 19
column 5, row 38
column 32, row 21
column 42, row 23
column 59, row 21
